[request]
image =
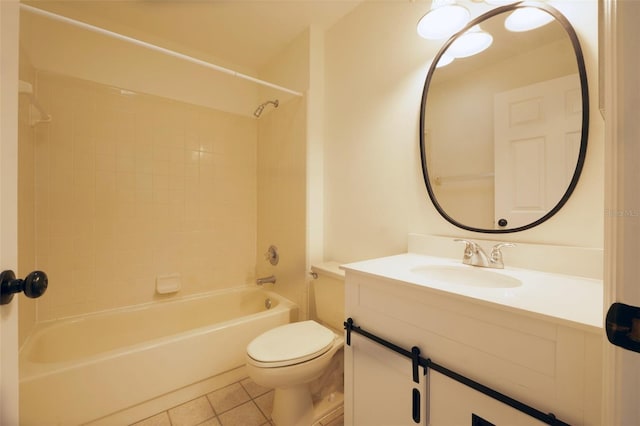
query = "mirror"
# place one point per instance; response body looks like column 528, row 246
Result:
column 503, row 134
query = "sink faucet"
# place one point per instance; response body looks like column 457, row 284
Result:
column 265, row 280
column 474, row 255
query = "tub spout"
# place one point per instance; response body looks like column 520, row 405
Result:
column 264, row 280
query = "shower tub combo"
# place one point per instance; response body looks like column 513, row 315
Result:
column 80, row 369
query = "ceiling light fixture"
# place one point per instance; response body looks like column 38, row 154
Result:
column 527, row 18
column 472, row 42
column 498, row 2
column 445, row 18
column 444, row 60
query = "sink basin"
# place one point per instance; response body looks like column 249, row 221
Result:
column 466, row 275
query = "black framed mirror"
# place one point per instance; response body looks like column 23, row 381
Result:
column 503, row 134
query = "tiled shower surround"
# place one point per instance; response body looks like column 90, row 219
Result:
column 131, row 186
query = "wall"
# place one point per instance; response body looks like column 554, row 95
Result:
column 132, row 186
column 68, row 50
column 281, row 174
column 212, row 239
column 374, row 193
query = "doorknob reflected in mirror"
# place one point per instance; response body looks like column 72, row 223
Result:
column 34, row 285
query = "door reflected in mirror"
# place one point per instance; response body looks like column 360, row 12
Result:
column 504, row 132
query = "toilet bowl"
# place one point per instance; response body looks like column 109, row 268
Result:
column 301, row 360
column 287, row 358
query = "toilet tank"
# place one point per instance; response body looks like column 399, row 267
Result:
column 328, row 295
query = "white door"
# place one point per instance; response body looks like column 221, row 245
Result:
column 537, row 132
column 383, row 393
column 622, row 199
column 8, row 206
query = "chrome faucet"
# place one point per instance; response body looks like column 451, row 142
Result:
column 474, row 255
column 271, row 279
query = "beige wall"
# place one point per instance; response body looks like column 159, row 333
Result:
column 132, row 186
column 374, row 193
column 68, row 50
column 136, row 185
column 281, row 199
column 282, row 192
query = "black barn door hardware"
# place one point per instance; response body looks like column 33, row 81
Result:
column 426, row 363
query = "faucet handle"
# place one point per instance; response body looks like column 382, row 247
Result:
column 496, row 254
column 469, row 245
column 470, row 248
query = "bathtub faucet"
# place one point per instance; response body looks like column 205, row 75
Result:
column 265, row 280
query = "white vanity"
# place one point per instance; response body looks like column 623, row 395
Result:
column 533, row 336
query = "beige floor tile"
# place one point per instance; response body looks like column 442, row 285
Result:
column 161, row 419
column 228, row 397
column 254, row 389
column 191, row 413
column 265, row 403
column 248, row 414
column 211, row 422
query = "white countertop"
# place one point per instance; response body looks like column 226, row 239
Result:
column 553, row 296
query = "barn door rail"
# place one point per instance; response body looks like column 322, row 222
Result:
column 418, row 361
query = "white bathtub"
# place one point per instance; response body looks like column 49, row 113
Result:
column 79, row 369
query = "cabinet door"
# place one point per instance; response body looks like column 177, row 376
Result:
column 382, row 387
column 452, row 403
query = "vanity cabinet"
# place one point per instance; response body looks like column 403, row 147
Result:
column 551, row 364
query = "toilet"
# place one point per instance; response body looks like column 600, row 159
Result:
column 290, row 357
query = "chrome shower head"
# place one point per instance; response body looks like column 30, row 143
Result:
column 258, row 112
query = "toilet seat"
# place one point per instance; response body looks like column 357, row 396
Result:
column 290, row 344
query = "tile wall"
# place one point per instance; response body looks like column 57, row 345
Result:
column 129, row 187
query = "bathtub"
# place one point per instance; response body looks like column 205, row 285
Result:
column 79, row 369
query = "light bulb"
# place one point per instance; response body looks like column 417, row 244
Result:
column 527, row 18
column 444, row 60
column 443, row 21
column 470, row 43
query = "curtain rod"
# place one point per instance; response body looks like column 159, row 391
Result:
column 150, row 46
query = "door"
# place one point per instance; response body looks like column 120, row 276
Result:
column 8, row 206
column 621, row 63
column 383, row 390
column 537, row 132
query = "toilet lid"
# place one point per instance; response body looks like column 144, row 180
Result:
column 291, row 343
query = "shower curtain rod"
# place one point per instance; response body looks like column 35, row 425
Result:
column 150, row 46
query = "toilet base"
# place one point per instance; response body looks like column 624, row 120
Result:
column 292, row 406
column 328, row 409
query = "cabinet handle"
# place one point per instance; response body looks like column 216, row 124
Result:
column 416, row 406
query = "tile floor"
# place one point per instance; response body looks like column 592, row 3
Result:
column 243, row 403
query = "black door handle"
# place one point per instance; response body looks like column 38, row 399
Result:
column 622, row 325
column 34, row 285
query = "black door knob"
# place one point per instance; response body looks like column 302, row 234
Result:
column 34, row 285
column 502, row 222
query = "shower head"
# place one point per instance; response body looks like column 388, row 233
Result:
column 258, row 112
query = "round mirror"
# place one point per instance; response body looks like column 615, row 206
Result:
column 503, row 133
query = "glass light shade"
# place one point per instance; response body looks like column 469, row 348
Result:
column 444, row 60
column 499, row 2
column 443, row 21
column 470, row 43
column 527, row 18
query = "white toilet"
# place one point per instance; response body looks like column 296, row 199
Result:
column 289, row 357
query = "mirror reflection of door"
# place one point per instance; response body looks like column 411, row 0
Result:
column 537, row 140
